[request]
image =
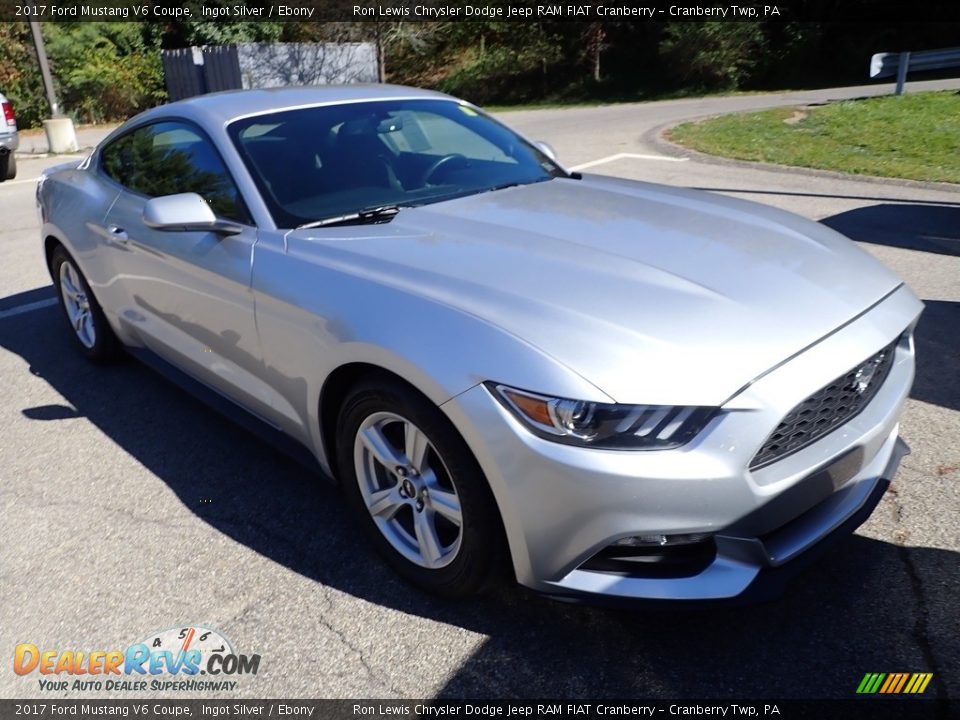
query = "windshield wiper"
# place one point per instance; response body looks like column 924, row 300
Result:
column 368, row 215
column 504, row 186
column 517, row 183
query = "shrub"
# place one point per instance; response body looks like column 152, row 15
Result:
column 502, row 62
column 105, row 71
column 20, row 75
column 713, row 55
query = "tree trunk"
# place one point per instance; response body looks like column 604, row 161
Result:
column 597, row 47
column 381, row 63
column 381, row 55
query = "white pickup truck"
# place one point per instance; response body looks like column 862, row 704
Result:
column 9, row 140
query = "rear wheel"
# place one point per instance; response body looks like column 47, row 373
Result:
column 81, row 310
column 417, row 490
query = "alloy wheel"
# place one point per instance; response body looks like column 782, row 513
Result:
column 408, row 490
column 77, row 305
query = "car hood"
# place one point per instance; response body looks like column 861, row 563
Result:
column 654, row 294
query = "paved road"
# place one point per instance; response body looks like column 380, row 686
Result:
column 127, row 507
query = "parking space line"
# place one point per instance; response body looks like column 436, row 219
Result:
column 626, row 156
column 5, row 183
column 49, row 156
column 17, row 182
column 29, row 307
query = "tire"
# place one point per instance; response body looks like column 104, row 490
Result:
column 454, row 560
column 11, row 169
column 82, row 312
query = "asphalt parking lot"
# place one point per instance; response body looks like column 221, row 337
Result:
column 128, row 507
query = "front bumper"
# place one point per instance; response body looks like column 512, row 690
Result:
column 749, row 570
column 563, row 505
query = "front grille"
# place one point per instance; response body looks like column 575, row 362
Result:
column 827, row 409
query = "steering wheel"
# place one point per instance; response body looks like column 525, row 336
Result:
column 437, row 164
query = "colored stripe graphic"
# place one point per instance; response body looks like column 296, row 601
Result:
column 894, row 683
column 903, row 680
column 870, row 683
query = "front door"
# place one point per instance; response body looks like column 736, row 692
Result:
column 186, row 295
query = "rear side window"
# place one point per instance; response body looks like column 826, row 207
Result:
column 169, row 158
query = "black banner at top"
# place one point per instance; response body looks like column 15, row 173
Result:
column 855, row 11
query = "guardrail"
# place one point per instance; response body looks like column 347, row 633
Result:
column 899, row 64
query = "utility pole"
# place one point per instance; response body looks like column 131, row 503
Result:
column 44, row 66
column 61, row 135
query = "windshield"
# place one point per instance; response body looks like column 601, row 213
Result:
column 330, row 161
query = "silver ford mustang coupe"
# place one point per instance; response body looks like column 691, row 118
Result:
column 613, row 390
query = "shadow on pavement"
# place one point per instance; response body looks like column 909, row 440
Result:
column 937, row 339
column 893, row 202
column 868, row 606
column 928, row 228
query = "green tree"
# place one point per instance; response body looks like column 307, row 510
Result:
column 105, row 71
column 20, row 76
column 498, row 60
column 713, row 55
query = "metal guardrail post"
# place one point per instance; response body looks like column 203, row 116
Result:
column 903, row 67
column 900, row 64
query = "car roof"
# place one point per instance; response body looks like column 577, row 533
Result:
column 224, row 107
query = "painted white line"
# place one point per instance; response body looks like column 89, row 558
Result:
column 48, row 156
column 626, row 156
column 29, row 307
column 42, row 157
column 18, row 182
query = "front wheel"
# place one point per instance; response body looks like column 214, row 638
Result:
column 417, row 490
column 81, row 310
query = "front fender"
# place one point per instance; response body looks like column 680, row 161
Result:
column 313, row 319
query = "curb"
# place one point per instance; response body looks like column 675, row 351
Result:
column 82, row 152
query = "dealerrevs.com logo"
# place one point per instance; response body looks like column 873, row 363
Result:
column 188, row 659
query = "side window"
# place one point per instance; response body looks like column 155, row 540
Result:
column 168, row 158
column 115, row 160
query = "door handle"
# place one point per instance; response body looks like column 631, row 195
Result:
column 118, row 234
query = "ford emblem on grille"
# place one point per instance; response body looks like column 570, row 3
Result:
column 861, row 381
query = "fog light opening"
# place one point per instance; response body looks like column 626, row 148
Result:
column 655, row 556
column 640, row 541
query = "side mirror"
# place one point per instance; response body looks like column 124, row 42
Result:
column 185, row 212
column 547, row 149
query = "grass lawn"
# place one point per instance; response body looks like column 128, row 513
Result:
column 911, row 136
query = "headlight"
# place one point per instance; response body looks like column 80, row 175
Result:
column 604, row 425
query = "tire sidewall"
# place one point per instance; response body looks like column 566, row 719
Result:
column 105, row 344
column 480, row 552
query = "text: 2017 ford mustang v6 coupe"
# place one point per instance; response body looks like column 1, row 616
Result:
column 620, row 390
